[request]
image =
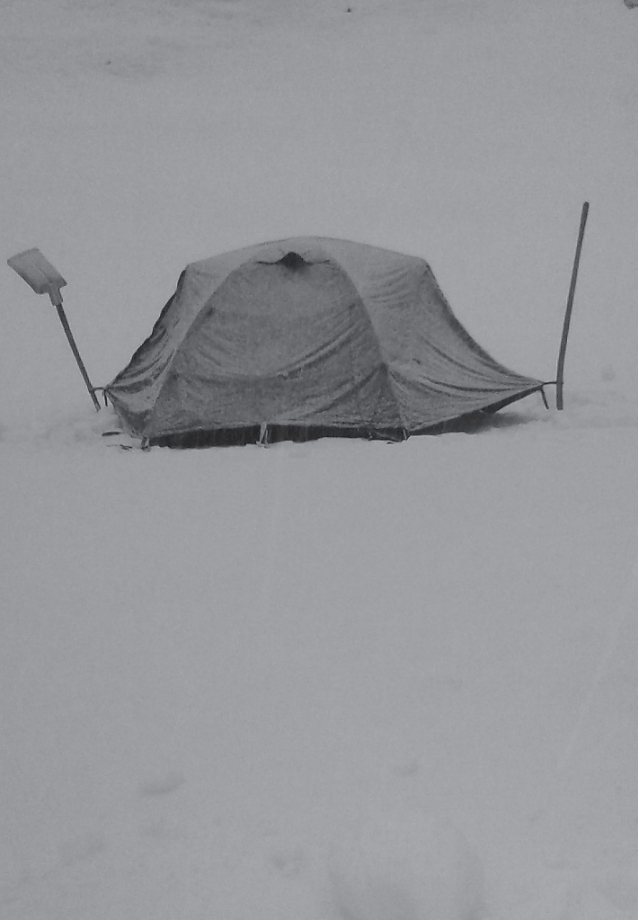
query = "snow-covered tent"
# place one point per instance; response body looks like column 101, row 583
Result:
column 307, row 337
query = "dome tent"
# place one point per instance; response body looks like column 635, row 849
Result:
column 306, row 337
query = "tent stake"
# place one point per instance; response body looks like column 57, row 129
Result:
column 568, row 311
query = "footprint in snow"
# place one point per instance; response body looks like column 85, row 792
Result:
column 405, row 865
column 163, row 784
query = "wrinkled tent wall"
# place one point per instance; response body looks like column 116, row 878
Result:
column 307, row 336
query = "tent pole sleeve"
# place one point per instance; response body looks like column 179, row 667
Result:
column 568, row 311
column 76, row 353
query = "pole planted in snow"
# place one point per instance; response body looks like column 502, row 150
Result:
column 43, row 278
column 76, row 353
column 560, row 370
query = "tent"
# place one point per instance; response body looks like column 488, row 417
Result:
column 302, row 338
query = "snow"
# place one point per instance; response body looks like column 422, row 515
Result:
column 405, row 865
column 340, row 680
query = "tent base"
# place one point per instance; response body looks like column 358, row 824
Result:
column 272, row 434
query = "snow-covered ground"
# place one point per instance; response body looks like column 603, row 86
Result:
column 341, row 680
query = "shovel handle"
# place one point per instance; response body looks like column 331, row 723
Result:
column 76, row 353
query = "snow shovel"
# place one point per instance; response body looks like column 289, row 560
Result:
column 45, row 279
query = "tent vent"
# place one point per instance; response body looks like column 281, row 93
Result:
column 293, row 261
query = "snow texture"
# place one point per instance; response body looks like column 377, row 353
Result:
column 406, row 867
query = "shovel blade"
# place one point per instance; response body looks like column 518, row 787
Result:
column 39, row 274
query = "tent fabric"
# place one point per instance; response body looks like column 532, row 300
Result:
column 306, row 336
